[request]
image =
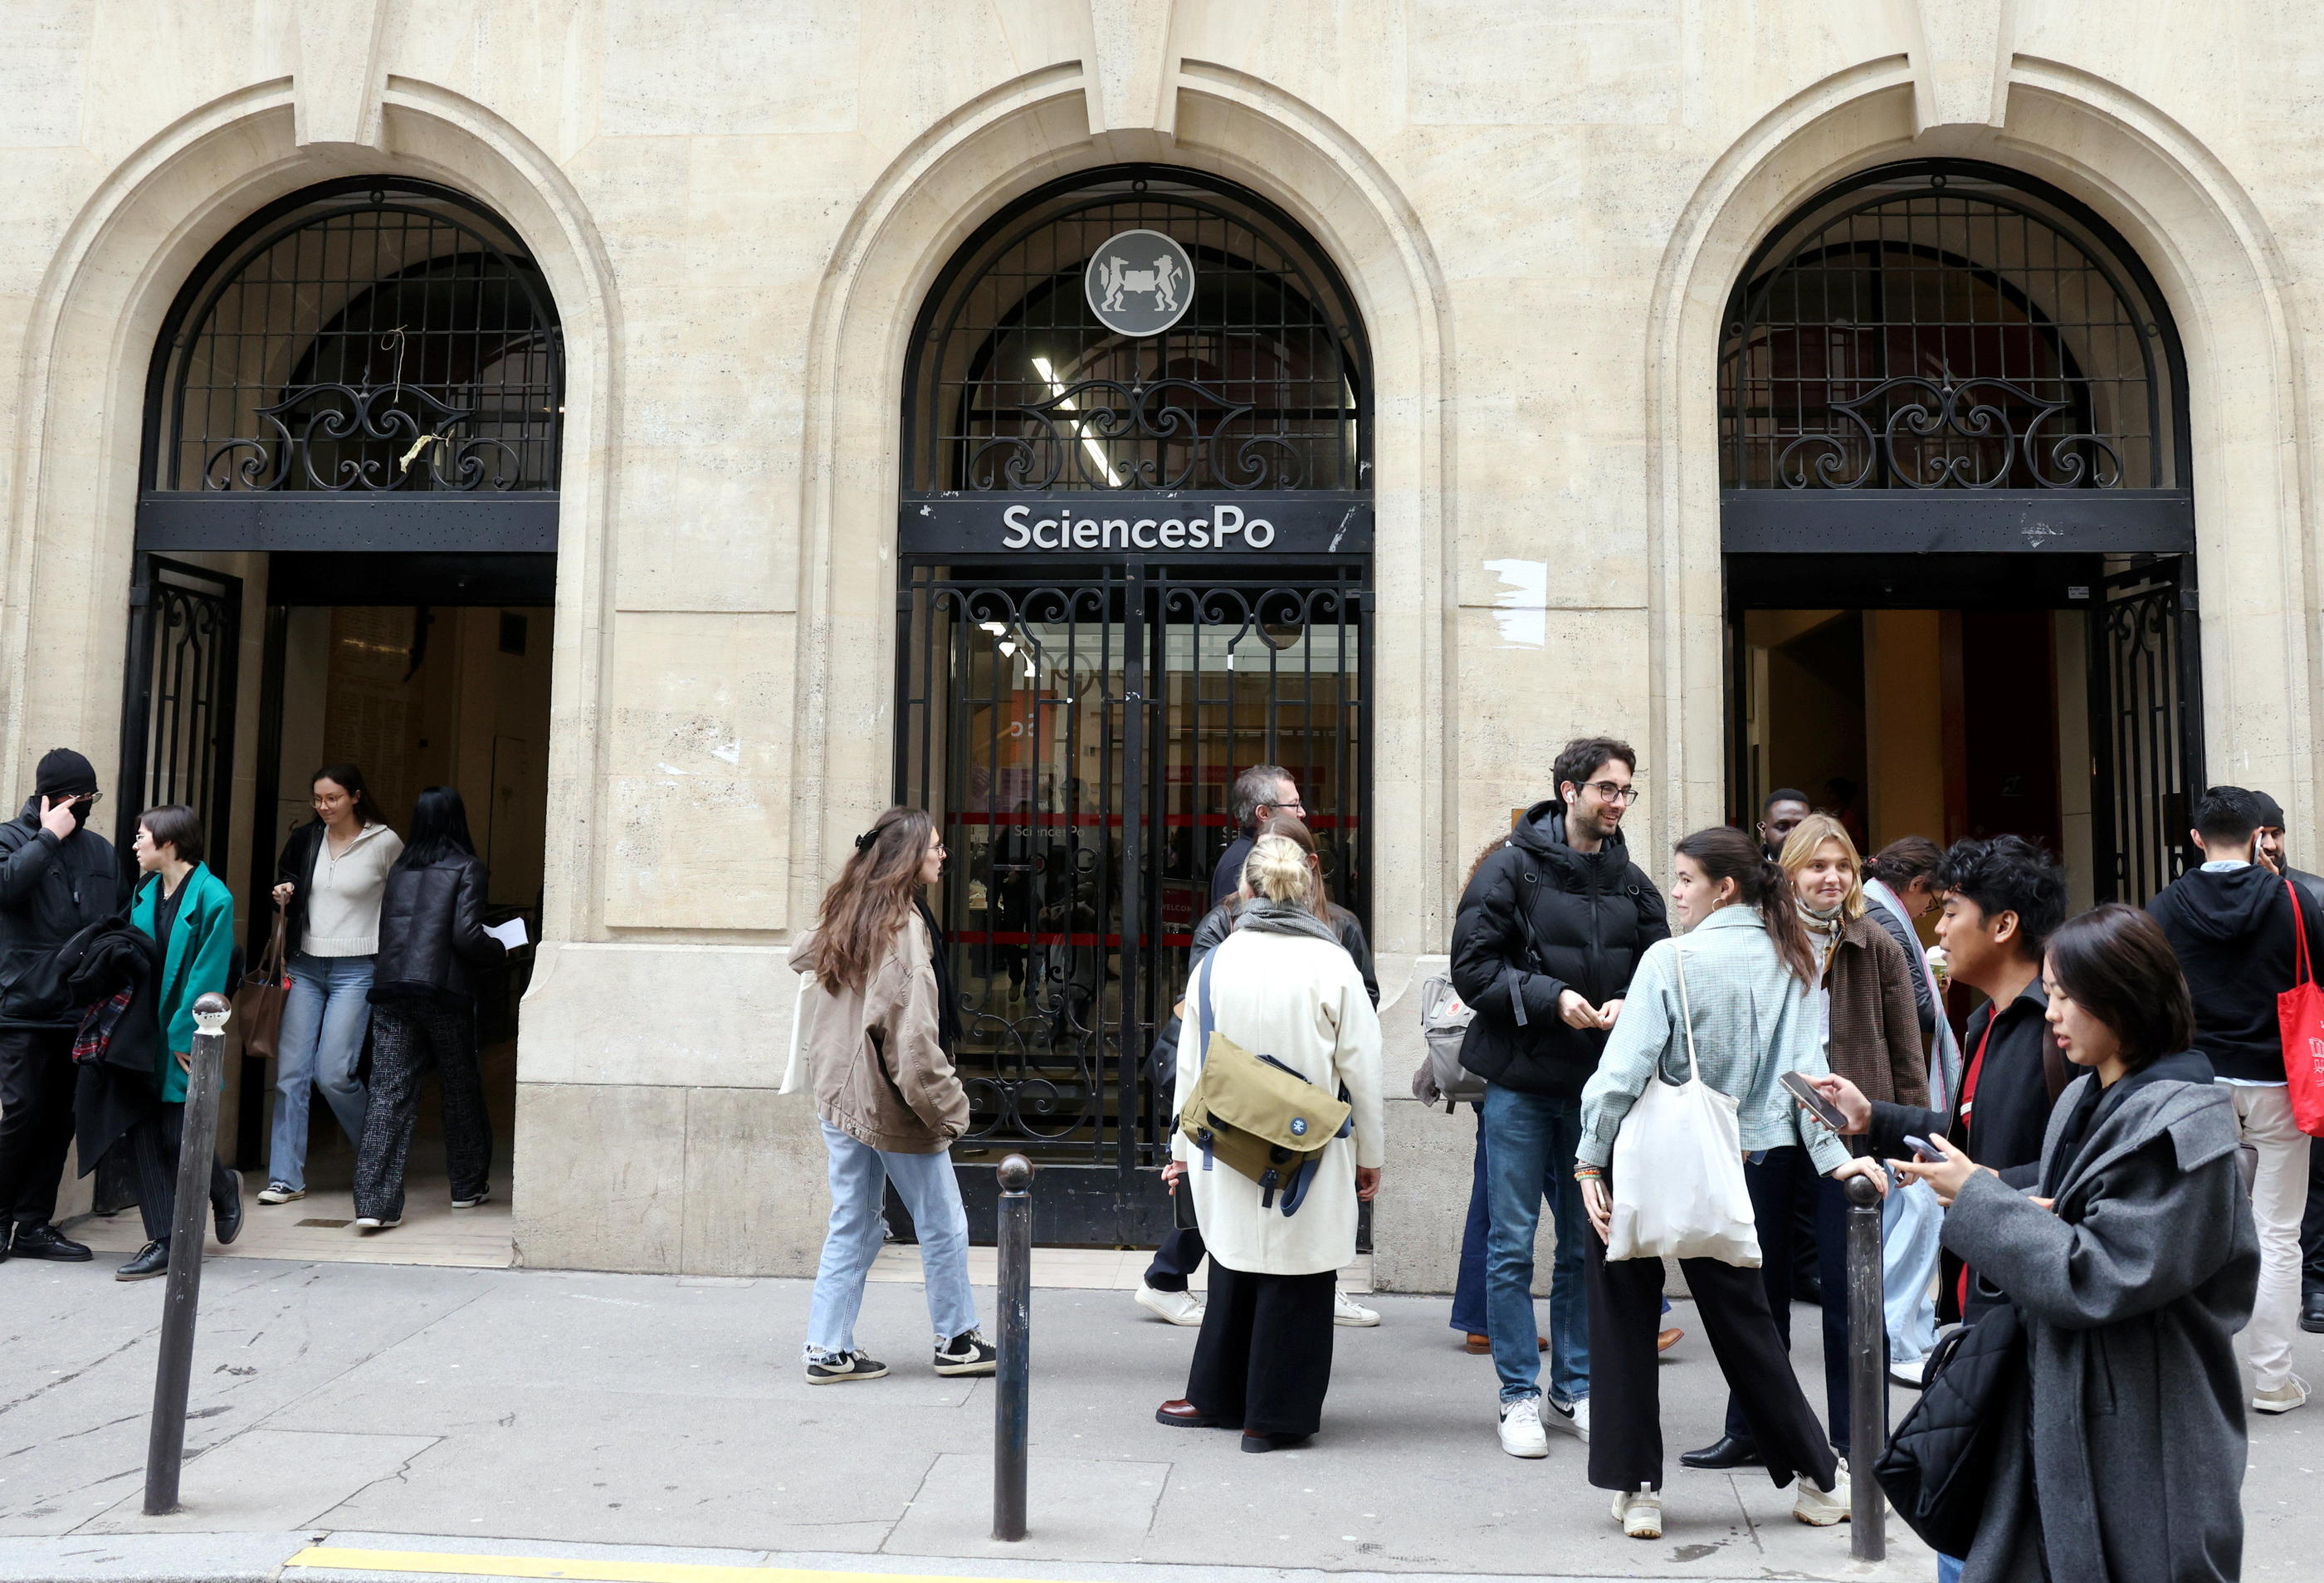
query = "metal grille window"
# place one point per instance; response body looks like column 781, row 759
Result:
column 1944, row 327
column 364, row 338
column 1016, row 385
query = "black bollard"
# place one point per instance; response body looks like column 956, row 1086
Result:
column 1868, row 1370
column 165, row 1446
column 1012, row 1404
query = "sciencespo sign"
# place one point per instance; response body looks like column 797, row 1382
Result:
column 1172, row 522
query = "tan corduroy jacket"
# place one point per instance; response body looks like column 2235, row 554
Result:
column 881, row 1073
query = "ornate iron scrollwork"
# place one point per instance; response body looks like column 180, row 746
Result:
column 1166, row 433
column 1924, row 434
column 393, row 429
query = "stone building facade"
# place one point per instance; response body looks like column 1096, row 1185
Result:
column 1522, row 236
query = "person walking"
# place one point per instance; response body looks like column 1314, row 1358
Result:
column 880, row 1029
column 1870, row 1035
column 1548, row 934
column 1162, row 1291
column 2272, row 851
column 1899, row 888
column 1280, row 985
column 188, row 912
column 2004, row 898
column 2232, row 923
column 1745, row 1013
column 328, row 883
column 2131, row 1262
column 423, row 997
column 1260, row 792
column 57, row 876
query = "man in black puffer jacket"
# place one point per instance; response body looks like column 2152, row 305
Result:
column 1551, row 929
column 56, row 878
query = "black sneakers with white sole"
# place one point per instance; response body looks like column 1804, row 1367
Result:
column 968, row 1353
column 842, row 1366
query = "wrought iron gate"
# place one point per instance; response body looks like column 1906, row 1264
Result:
column 2146, row 691
column 1075, row 730
column 177, row 736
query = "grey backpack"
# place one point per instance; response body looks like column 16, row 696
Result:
column 1444, row 1019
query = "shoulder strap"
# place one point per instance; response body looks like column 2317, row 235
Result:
column 2302, row 970
column 1685, row 1011
column 1203, row 1018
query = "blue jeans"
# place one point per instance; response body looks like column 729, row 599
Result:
column 930, row 1192
column 1949, row 1568
column 1911, row 1224
column 323, row 1026
column 1469, row 1315
column 1531, row 1141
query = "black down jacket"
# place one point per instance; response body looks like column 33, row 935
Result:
column 1593, row 915
column 49, row 891
column 431, row 932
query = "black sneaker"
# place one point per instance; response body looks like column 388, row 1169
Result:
column 968, row 1353
column 46, row 1242
column 842, row 1366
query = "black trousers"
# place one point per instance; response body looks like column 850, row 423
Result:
column 1180, row 1256
column 2311, row 1228
column 1779, row 1186
column 1625, row 1427
column 155, row 1144
column 1264, row 1356
column 407, row 1038
column 36, row 1120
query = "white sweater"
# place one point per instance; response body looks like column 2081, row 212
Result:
column 342, row 893
column 1301, row 1001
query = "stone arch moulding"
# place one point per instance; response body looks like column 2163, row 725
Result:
column 2217, row 265
column 112, row 276
column 924, row 205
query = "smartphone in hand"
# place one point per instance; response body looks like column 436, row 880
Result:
column 1814, row 1102
column 1922, row 1148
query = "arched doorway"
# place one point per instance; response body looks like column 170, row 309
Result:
column 1957, row 523
column 352, row 430
column 1136, row 534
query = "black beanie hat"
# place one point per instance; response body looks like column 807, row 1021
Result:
column 63, row 774
column 2270, row 811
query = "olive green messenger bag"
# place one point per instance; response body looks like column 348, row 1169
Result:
column 1256, row 1114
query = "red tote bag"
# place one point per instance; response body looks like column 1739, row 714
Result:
column 2300, row 1015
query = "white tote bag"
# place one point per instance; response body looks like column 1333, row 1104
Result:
column 1678, row 1169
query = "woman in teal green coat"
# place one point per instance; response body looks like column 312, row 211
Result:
column 189, row 912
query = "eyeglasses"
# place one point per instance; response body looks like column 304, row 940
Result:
column 1613, row 791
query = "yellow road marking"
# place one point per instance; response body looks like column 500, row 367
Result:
column 586, row 1571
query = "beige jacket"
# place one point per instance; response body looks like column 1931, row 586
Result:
column 881, row 1074
column 1303, row 1002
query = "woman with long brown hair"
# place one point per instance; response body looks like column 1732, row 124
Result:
column 1732, row 1003
column 880, row 1032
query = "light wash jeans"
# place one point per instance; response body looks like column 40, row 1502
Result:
column 323, row 1026
column 930, row 1192
column 1530, row 1141
column 1949, row 1568
column 1912, row 1226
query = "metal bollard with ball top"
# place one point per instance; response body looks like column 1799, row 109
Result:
column 165, row 1449
column 1012, row 1402
column 1868, row 1370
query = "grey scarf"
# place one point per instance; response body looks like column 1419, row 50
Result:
column 1282, row 918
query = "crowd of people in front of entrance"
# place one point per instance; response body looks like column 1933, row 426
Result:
column 2107, row 1152
column 102, row 961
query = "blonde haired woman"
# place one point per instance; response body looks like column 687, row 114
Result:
column 1872, row 1037
column 879, row 1039
column 1279, row 985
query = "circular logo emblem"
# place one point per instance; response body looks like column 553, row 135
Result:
column 1298, row 1126
column 1139, row 283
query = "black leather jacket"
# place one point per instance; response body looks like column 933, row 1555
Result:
column 431, row 932
column 49, row 891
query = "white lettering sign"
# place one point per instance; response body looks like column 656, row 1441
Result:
column 1228, row 527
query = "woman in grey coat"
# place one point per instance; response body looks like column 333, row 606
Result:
column 2134, row 1263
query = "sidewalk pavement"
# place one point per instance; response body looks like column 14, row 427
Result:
column 641, row 1427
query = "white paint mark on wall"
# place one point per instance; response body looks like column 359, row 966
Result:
column 1521, row 604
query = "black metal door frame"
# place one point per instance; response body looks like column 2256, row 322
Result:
column 1106, row 927
column 2146, row 718
column 178, row 706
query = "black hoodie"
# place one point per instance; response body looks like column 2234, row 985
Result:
column 2232, row 930
column 1593, row 915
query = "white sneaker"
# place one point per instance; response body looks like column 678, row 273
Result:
column 1639, row 1512
column 1521, row 1433
column 374, row 1223
column 1574, row 1420
column 1820, row 1508
column 2291, row 1394
column 1911, row 1375
column 1179, row 1307
column 1347, row 1311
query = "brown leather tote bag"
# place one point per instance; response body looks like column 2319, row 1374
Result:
column 258, row 998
